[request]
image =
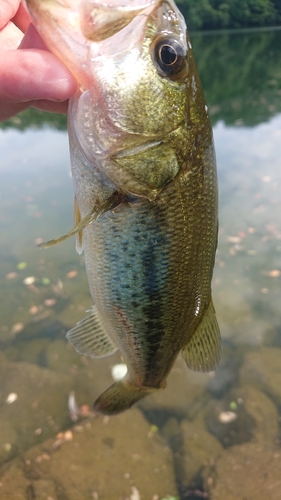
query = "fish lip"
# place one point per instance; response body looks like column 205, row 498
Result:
column 124, row 153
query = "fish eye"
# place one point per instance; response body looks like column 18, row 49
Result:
column 169, row 55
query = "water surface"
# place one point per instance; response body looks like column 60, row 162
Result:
column 213, row 436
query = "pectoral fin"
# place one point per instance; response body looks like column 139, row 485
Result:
column 79, row 234
column 89, row 337
column 202, row 351
column 96, row 212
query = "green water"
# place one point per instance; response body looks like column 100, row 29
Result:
column 175, row 444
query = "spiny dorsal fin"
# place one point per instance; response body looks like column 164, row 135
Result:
column 202, row 351
column 89, row 337
column 109, row 204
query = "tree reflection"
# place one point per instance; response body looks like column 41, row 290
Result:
column 34, row 118
column 241, row 75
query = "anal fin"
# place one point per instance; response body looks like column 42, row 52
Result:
column 89, row 337
column 202, row 352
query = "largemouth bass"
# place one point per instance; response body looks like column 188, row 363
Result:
column 145, row 187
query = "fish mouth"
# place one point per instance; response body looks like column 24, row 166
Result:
column 124, row 153
column 100, row 21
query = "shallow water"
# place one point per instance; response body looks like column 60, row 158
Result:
column 213, row 436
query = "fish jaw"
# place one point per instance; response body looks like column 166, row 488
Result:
column 69, row 27
column 100, row 21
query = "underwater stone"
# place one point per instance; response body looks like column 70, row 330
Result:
column 236, row 431
column 109, row 458
column 246, row 472
column 262, row 369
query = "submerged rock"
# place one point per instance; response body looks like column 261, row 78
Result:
column 199, row 451
column 8, row 440
column 107, row 458
column 30, row 351
column 251, row 470
column 262, row 368
column 246, row 472
column 229, row 426
column 40, row 409
column 14, row 483
column 264, row 412
column 60, row 356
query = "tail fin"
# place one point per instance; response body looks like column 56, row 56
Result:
column 119, row 397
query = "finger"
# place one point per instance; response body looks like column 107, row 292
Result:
column 10, row 37
column 9, row 109
column 39, row 75
column 51, row 106
column 22, row 18
column 8, row 9
column 32, row 40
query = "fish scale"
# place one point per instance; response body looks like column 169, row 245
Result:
column 157, row 277
column 144, row 177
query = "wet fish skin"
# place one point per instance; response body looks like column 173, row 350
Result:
column 146, row 136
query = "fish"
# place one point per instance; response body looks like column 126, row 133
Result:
column 145, row 186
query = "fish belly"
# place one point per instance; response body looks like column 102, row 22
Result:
column 149, row 266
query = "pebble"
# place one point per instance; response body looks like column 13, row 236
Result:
column 72, row 274
column 42, row 457
column 234, row 239
column 85, row 411
column 33, row 310
column 50, row 302
column 17, row 327
column 29, row 281
column 21, row 265
column 73, row 407
column 135, row 494
column 225, row 417
column 275, row 273
column 45, row 281
column 118, row 371
column 11, row 276
column 68, row 436
column 11, row 398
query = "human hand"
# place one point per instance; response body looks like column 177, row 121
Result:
column 30, row 75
